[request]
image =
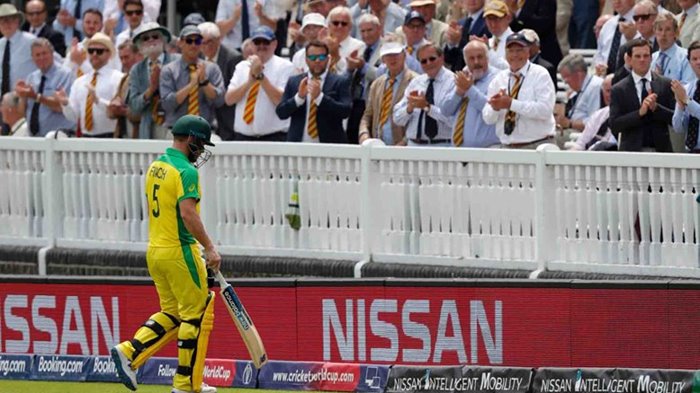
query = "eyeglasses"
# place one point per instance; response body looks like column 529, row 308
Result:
column 428, row 60
column 196, row 41
column 134, row 12
column 339, row 23
column 321, row 57
column 261, row 42
column 96, row 51
column 36, row 13
column 637, row 18
column 150, row 37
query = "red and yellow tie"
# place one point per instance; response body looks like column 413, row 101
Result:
column 89, row 103
column 311, row 126
column 458, row 135
column 386, row 104
column 193, row 96
column 249, row 111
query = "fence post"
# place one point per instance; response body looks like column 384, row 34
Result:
column 545, row 235
column 52, row 198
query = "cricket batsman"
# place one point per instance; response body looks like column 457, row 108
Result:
column 175, row 232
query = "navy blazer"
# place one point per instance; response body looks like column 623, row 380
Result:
column 453, row 56
column 625, row 119
column 335, row 106
column 55, row 37
column 540, row 15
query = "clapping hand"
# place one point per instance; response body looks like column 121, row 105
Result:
column 61, row 96
column 500, row 100
column 464, row 81
column 314, row 87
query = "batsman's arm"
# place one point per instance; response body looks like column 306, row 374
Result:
column 193, row 223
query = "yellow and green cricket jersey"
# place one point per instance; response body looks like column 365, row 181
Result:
column 170, row 179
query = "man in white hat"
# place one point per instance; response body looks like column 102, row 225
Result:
column 311, row 27
column 77, row 59
column 15, row 49
column 91, row 93
column 151, row 39
column 385, row 93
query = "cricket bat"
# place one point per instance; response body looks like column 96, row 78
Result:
column 245, row 325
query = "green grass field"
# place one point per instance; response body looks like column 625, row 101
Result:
column 92, row 387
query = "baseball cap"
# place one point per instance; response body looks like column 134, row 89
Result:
column 190, row 30
column 194, row 18
column 313, row 19
column 195, row 126
column 390, row 48
column 496, row 8
column 263, row 32
column 531, row 36
column 413, row 15
column 517, row 38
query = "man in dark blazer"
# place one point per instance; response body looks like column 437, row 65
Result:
column 458, row 34
column 539, row 15
column 36, row 24
column 226, row 59
column 641, row 105
column 317, row 102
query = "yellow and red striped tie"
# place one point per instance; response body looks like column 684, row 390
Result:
column 89, row 103
column 80, row 72
column 311, row 126
column 193, row 96
column 386, row 104
column 458, row 135
column 249, row 111
column 510, row 115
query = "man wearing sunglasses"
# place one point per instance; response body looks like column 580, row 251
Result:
column 144, row 80
column 414, row 35
column 133, row 9
column 256, row 88
column 317, row 101
column 35, row 10
column 190, row 85
column 419, row 110
column 91, row 93
column 77, row 59
column 339, row 41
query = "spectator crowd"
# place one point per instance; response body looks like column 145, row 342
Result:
column 461, row 73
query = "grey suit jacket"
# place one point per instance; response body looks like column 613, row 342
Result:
column 691, row 29
column 138, row 83
column 370, row 118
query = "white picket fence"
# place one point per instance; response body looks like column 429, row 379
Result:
column 596, row 212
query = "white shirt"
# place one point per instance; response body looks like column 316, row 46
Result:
column 125, row 35
column 607, row 32
column 107, row 84
column 265, row 121
column 347, row 46
column 497, row 54
column 638, row 83
column 442, row 89
column 534, row 106
column 591, row 130
column 300, row 101
column 225, row 9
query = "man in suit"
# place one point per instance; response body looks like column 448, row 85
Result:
column 226, row 59
column 377, row 121
column 144, row 92
column 362, row 70
column 539, row 15
column 36, row 24
column 689, row 22
column 536, row 54
column 316, row 102
column 687, row 111
column 641, row 106
column 459, row 33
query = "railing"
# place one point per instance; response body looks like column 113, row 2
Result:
column 597, row 212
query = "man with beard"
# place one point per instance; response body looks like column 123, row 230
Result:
column 468, row 98
column 316, row 102
column 144, row 91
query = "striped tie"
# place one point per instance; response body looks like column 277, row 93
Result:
column 88, row 104
column 409, row 50
column 249, row 111
column 510, row 115
column 193, row 96
column 80, row 72
column 156, row 115
column 458, row 135
column 311, row 125
column 386, row 103
column 521, row 3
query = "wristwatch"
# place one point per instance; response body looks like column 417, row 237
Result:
column 204, row 83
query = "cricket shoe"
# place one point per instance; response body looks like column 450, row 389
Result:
column 205, row 389
column 127, row 376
